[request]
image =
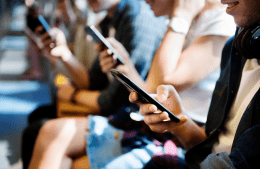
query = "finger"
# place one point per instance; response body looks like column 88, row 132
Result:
column 113, row 41
column 97, row 47
column 45, row 36
column 159, row 127
column 38, row 29
column 106, row 68
column 168, row 126
column 109, row 52
column 114, row 58
column 183, row 119
column 165, row 91
column 133, row 97
column 57, row 51
column 156, row 118
column 147, row 108
column 107, row 61
column 103, row 54
column 49, row 43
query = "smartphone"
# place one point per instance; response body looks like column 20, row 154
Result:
column 145, row 97
column 98, row 37
column 34, row 22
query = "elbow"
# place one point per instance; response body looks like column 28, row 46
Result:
column 180, row 84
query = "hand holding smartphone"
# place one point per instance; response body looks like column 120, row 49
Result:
column 98, row 37
column 33, row 20
column 145, row 97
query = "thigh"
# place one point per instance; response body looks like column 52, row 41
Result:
column 78, row 143
column 69, row 132
column 28, row 140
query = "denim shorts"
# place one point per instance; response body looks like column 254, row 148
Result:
column 105, row 151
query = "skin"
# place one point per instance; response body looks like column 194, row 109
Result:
column 245, row 14
column 170, row 64
column 79, row 75
column 159, row 121
column 66, row 141
column 101, row 5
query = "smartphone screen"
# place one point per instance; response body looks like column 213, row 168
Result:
column 145, row 97
column 98, row 37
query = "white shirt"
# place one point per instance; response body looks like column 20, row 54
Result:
column 215, row 21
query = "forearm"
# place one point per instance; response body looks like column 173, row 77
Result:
column 195, row 63
column 133, row 75
column 165, row 59
column 78, row 74
column 88, row 99
column 189, row 134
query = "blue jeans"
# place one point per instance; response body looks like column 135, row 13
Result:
column 105, row 151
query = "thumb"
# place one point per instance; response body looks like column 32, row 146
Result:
column 57, row 51
column 183, row 119
column 165, row 91
column 61, row 51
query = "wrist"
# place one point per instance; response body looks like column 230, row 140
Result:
column 184, row 15
column 178, row 25
column 182, row 127
column 73, row 96
column 67, row 55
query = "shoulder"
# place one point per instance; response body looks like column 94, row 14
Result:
column 137, row 11
column 214, row 21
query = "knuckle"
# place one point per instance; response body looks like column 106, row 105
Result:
column 162, row 88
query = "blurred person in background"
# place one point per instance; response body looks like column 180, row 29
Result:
column 139, row 31
column 208, row 38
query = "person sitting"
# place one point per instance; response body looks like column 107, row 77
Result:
column 115, row 135
column 189, row 60
column 230, row 138
column 95, row 91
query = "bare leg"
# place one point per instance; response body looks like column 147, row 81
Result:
column 59, row 141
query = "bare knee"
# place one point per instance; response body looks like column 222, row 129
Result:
column 52, row 130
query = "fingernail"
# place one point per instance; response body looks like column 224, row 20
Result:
column 162, row 98
column 109, row 52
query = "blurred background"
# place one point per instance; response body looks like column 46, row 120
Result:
column 20, row 93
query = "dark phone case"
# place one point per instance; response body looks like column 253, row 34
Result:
column 98, row 37
column 145, row 97
column 34, row 22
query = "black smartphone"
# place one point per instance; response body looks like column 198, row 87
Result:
column 145, row 97
column 34, row 22
column 98, row 37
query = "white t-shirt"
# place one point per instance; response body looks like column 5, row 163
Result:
column 250, row 78
column 212, row 22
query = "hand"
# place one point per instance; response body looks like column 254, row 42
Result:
column 65, row 92
column 187, row 9
column 159, row 121
column 55, row 47
column 109, row 61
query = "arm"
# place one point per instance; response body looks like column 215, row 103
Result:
column 86, row 98
column 61, row 53
column 187, row 68
column 194, row 64
column 134, row 37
